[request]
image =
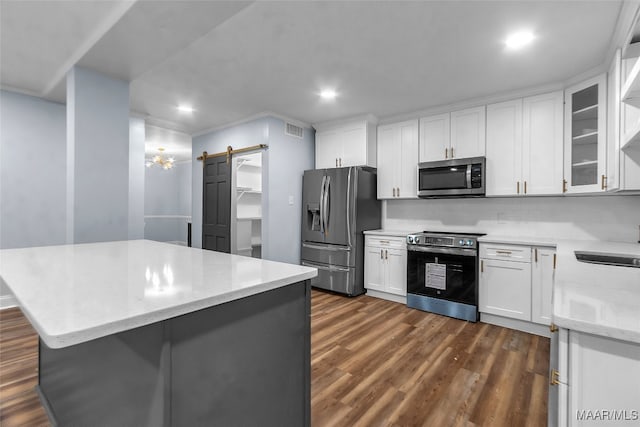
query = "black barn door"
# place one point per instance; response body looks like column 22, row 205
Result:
column 216, row 204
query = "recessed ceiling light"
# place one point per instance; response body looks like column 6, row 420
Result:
column 185, row 108
column 519, row 40
column 328, row 94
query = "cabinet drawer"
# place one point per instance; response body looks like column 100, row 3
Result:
column 506, row 252
column 385, row 242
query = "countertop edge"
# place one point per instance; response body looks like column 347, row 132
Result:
column 397, row 233
column 597, row 330
column 56, row 341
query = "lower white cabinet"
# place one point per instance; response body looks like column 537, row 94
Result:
column 516, row 281
column 385, row 265
column 505, row 288
column 594, row 380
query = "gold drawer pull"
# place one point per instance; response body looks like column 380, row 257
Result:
column 504, row 252
column 553, row 328
column 555, row 377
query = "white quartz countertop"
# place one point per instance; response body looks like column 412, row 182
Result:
column 76, row 293
column 395, row 233
column 518, row 240
column 598, row 299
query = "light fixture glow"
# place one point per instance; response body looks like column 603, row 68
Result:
column 519, row 40
column 160, row 160
column 328, row 94
column 183, row 108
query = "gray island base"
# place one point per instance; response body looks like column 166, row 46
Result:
column 241, row 363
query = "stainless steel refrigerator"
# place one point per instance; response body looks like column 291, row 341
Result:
column 337, row 205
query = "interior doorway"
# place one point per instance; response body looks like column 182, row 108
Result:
column 246, row 203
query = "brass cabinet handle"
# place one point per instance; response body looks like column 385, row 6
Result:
column 398, row 191
column 481, row 266
column 336, row 162
column 604, row 182
column 553, row 328
column 536, row 254
column 340, row 161
column 452, row 156
column 381, row 256
column 525, row 187
column 394, row 191
column 555, row 377
column 446, row 153
column 564, row 185
column 386, row 254
column 554, row 261
column 504, row 252
column 518, row 187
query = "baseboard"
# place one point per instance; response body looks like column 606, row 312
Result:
column 389, row 297
column 519, row 325
column 7, row 301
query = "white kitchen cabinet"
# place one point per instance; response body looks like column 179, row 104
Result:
column 468, row 133
column 585, row 151
column 516, row 281
column 397, row 165
column 385, row 265
column 590, row 374
column 542, row 275
column 505, row 288
column 346, row 144
column 504, row 148
column 542, row 142
column 435, row 137
column 524, row 146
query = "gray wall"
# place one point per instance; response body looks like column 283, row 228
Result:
column 97, row 157
column 32, row 171
column 285, row 161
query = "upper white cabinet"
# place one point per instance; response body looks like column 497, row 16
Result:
column 346, row 144
column 397, row 160
column 585, row 151
column 468, row 133
column 524, row 146
column 453, row 135
column 435, row 140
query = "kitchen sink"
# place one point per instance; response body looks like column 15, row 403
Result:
column 619, row 260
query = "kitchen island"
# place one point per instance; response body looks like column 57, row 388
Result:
column 142, row 333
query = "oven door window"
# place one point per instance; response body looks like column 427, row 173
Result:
column 450, row 277
column 442, row 178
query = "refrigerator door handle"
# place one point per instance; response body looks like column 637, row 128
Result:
column 349, row 207
column 324, row 180
column 324, row 267
column 324, row 247
column 327, row 205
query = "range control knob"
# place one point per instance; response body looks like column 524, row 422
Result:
column 417, row 239
column 469, row 242
column 461, row 243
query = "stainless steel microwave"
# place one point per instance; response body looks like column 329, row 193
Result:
column 452, row 178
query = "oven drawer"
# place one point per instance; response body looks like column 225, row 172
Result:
column 515, row 253
column 386, row 242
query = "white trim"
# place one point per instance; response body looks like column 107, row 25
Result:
column 99, row 31
column 252, row 118
column 7, row 301
column 629, row 13
column 370, row 118
column 386, row 296
column 26, row 92
column 472, row 103
column 519, row 325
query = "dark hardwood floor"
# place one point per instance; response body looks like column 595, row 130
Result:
column 373, row 363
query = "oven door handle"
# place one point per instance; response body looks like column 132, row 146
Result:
column 448, row 251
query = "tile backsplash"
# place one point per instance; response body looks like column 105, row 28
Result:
column 613, row 218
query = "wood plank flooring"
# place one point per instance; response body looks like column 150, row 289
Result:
column 373, row 363
column 379, row 363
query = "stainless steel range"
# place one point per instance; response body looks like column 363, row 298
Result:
column 442, row 273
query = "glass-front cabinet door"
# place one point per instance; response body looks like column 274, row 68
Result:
column 585, row 139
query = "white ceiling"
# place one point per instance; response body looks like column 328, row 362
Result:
column 233, row 60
